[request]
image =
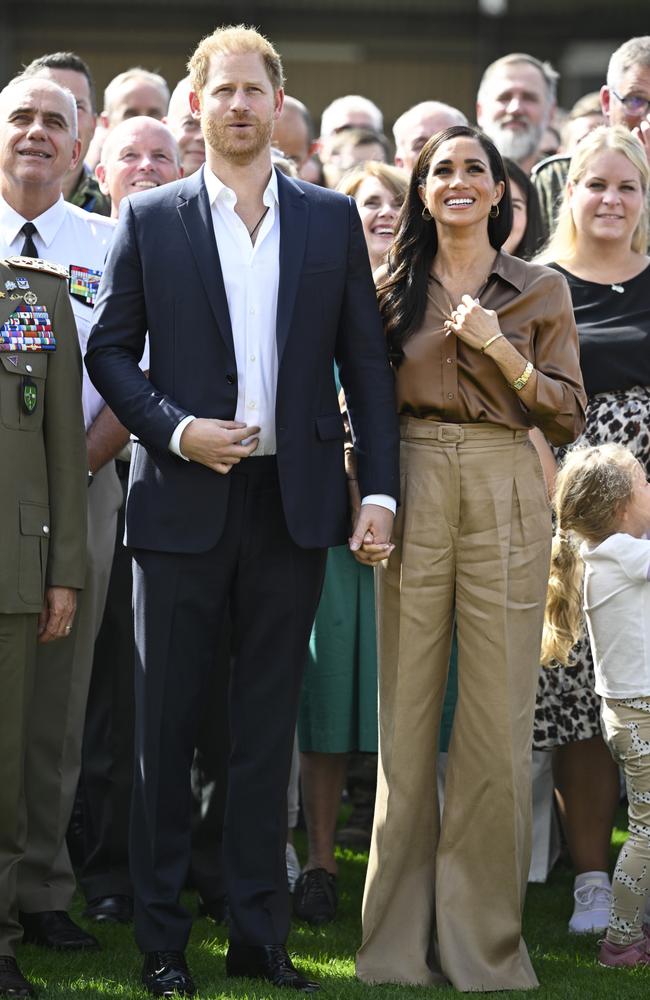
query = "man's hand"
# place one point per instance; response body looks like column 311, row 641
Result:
column 55, row 620
column 642, row 132
column 217, row 443
column 370, row 541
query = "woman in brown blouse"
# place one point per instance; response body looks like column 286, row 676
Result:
column 485, row 348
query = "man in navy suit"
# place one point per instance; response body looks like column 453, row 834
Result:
column 251, row 285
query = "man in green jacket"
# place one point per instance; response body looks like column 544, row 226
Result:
column 43, row 476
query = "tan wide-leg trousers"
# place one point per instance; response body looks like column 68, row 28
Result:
column 444, row 901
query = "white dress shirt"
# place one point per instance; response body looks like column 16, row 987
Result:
column 65, row 235
column 251, row 274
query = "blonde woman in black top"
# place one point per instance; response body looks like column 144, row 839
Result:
column 599, row 246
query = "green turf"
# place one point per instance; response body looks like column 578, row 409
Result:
column 566, row 966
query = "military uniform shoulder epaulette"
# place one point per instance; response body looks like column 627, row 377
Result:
column 36, row 264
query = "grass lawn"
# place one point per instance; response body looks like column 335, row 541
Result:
column 566, row 966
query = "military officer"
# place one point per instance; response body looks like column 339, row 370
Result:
column 38, row 147
column 80, row 186
column 42, row 533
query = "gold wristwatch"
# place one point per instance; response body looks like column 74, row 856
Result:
column 520, row 382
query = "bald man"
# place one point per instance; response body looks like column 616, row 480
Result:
column 185, row 128
column 417, row 125
column 139, row 154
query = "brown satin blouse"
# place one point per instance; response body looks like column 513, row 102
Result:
column 442, row 379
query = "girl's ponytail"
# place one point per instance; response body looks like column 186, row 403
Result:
column 563, row 616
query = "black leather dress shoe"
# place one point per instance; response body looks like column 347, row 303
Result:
column 110, row 910
column 268, row 961
column 55, row 929
column 165, row 974
column 314, row 897
column 214, row 909
column 12, row 981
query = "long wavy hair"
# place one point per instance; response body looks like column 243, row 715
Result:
column 402, row 293
column 592, row 490
column 563, row 242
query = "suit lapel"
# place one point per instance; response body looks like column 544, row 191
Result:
column 196, row 218
column 294, row 219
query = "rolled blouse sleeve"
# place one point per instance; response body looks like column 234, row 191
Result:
column 559, row 407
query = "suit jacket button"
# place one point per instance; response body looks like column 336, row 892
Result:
column 230, row 378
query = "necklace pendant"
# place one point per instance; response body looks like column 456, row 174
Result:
column 617, row 288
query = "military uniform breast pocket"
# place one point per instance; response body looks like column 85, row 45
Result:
column 22, row 389
column 32, row 557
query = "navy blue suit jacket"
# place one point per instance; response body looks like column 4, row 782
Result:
column 162, row 275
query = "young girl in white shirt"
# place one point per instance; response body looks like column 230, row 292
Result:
column 603, row 497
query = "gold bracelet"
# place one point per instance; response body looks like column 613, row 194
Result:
column 490, row 341
column 520, row 382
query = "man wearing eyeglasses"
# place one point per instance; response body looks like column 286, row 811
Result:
column 626, row 96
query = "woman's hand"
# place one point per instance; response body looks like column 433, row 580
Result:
column 473, row 324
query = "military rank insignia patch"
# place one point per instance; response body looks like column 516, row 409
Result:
column 29, row 395
column 27, row 329
column 83, row 283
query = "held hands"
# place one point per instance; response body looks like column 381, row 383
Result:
column 218, row 443
column 57, row 614
column 370, row 541
column 473, row 324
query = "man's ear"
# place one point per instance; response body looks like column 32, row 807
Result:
column 195, row 105
column 605, row 100
column 279, row 101
column 100, row 174
column 76, row 153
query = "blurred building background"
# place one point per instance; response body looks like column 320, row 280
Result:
column 396, row 52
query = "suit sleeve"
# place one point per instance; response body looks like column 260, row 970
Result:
column 117, row 341
column 65, row 449
column 365, row 372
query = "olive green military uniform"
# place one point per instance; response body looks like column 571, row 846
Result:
column 42, row 522
column 87, row 195
column 549, row 178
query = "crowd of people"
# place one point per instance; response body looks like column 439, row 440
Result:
column 329, row 501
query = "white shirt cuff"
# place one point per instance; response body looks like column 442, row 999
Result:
column 175, row 440
column 381, row 500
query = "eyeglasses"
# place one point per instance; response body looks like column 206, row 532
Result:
column 637, row 106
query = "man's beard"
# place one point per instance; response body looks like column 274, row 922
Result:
column 516, row 144
column 221, row 140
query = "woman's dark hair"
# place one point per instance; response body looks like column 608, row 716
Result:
column 402, row 293
column 531, row 242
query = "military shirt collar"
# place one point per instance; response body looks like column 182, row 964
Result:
column 47, row 224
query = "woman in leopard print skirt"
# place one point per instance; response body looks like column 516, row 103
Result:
column 599, row 245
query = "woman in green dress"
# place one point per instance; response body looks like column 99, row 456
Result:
column 338, row 712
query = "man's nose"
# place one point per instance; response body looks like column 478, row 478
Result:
column 36, row 129
column 514, row 105
column 239, row 99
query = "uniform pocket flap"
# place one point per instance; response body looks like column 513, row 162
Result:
column 32, row 363
column 34, row 519
column 330, row 427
